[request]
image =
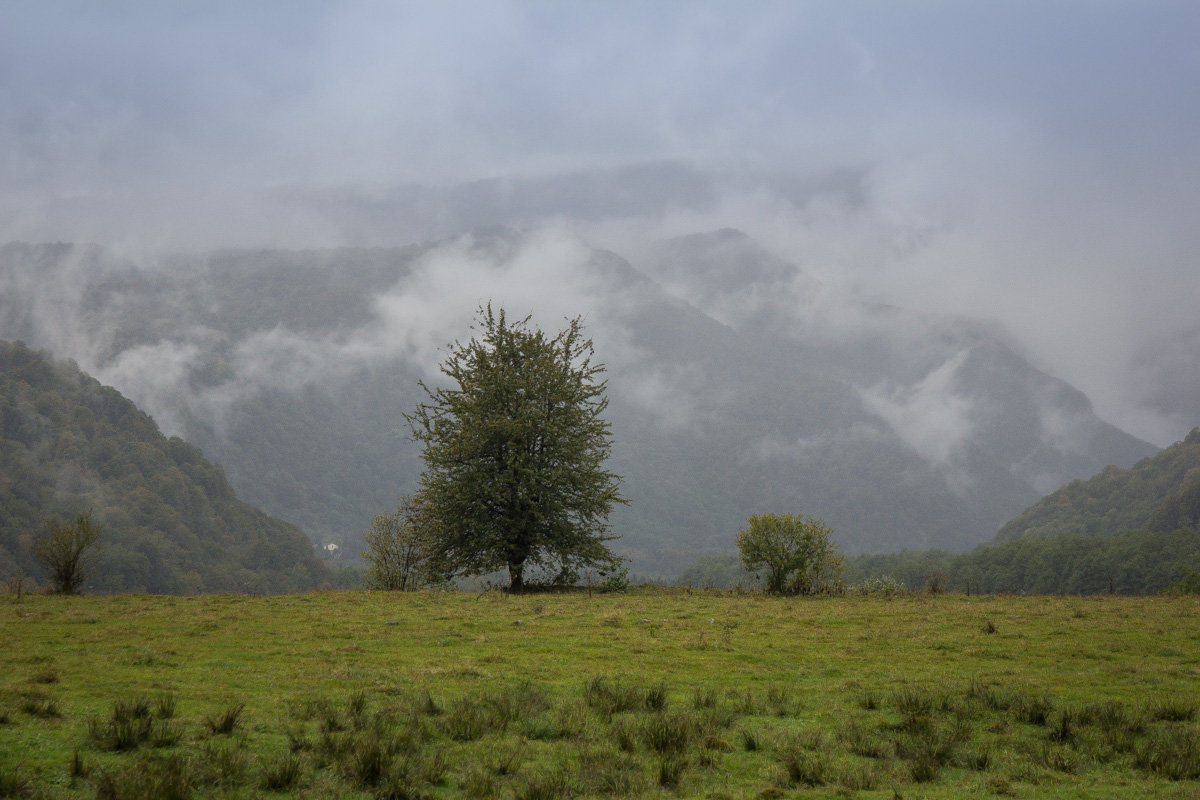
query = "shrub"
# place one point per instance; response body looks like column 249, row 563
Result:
column 937, row 583
column 881, row 586
column 66, row 551
column 796, row 552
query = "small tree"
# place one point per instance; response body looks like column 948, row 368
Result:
column 514, row 453
column 65, row 551
column 398, row 550
column 796, row 552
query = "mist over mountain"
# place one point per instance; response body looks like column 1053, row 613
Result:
column 739, row 382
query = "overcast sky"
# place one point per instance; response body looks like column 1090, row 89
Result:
column 1034, row 162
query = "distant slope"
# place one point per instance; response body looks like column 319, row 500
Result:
column 1129, row 531
column 172, row 524
column 1158, row 493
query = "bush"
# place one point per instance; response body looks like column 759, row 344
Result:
column 882, row 586
column 65, row 551
column 796, row 552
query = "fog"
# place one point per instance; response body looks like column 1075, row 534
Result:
column 1028, row 163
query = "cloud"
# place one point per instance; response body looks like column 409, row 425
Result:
column 931, row 417
column 1030, row 163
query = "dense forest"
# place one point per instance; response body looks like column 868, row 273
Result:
column 171, row 522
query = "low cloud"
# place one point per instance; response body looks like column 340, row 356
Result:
column 930, row 416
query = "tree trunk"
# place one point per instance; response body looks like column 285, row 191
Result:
column 516, row 573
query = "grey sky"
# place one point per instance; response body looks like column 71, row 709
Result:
column 1036, row 162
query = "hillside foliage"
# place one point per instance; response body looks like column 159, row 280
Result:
column 1125, row 531
column 1161, row 493
column 171, row 522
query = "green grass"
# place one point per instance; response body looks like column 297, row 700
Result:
column 653, row 693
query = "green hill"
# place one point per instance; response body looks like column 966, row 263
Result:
column 172, row 524
column 1159, row 493
column 1128, row 531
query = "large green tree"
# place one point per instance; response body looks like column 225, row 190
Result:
column 515, row 452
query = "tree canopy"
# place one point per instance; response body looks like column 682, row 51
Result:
column 515, row 451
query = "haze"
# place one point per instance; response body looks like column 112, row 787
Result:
column 1032, row 163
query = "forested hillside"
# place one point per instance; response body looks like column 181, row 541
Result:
column 1130, row 531
column 171, row 522
column 1160, row 493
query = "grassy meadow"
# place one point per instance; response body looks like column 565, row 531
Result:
column 649, row 693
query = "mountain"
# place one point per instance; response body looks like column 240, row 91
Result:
column 171, row 522
column 738, row 384
column 1160, row 493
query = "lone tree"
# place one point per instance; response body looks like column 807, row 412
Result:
column 514, row 454
column 398, row 550
column 65, row 551
column 795, row 551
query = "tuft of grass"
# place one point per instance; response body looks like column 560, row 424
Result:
column 865, row 743
column 671, row 767
column 609, row 697
column 132, row 723
column 39, row 704
column 543, row 785
column 1032, row 710
column 781, row 701
column 147, row 779
column 802, row 766
column 751, row 740
column 222, row 764
column 281, row 774
column 655, row 698
column 13, row 784
column 705, row 698
column 356, row 708
column 164, row 706
column 666, row 733
column 858, row 778
column 78, row 769
column 1062, row 730
column 1173, row 709
column 46, row 676
column 1173, row 753
column 226, row 722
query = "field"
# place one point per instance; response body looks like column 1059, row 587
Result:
column 650, row 693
